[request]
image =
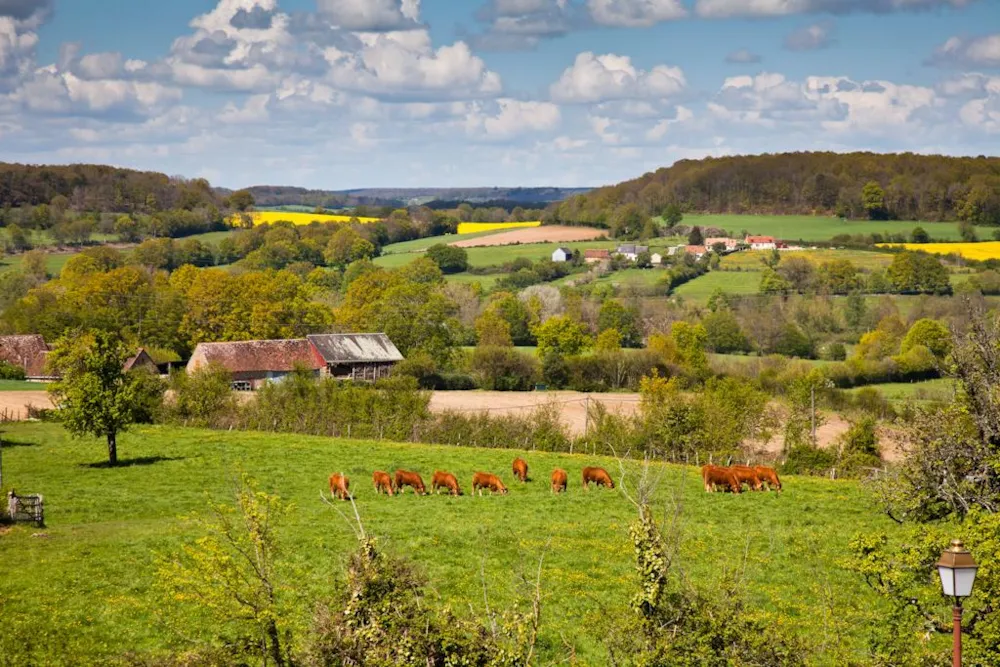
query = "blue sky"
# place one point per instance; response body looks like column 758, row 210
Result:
column 364, row 93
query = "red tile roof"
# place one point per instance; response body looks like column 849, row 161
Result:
column 28, row 352
column 760, row 239
column 595, row 253
column 259, row 355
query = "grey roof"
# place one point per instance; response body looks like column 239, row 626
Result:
column 565, row 250
column 350, row 348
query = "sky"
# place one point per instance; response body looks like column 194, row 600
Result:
column 339, row 94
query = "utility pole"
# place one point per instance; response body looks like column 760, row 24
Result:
column 1, row 459
column 586, row 417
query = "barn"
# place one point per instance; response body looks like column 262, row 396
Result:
column 363, row 357
column 28, row 352
column 254, row 363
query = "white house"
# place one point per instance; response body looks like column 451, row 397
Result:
column 561, row 254
column 656, row 259
column 730, row 244
column 631, row 251
column 761, row 242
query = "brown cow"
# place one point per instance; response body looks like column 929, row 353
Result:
column 484, row 480
column 339, row 485
column 410, row 479
column 520, row 469
column 747, row 475
column 559, row 481
column 768, row 476
column 447, row 481
column 382, row 482
column 598, row 476
column 714, row 476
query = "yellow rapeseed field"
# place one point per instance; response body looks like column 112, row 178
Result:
column 977, row 251
column 268, row 217
column 474, row 227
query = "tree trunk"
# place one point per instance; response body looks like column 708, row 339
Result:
column 113, row 448
column 274, row 643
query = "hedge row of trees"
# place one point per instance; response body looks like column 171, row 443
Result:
column 853, row 185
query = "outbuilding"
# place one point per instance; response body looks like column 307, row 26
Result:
column 254, row 363
column 361, row 357
column 28, row 352
column 562, row 254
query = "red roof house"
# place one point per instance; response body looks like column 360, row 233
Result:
column 254, row 363
column 29, row 352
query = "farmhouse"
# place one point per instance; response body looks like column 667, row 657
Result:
column 596, row 255
column 730, row 244
column 254, row 363
column 697, row 250
column 761, row 242
column 366, row 357
column 561, row 254
column 27, row 352
column 631, row 251
column 656, row 259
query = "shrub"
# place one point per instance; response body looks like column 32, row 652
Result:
column 834, row 352
column 9, row 371
column 804, row 459
column 504, row 369
column 201, row 398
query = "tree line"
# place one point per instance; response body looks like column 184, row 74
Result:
column 851, row 185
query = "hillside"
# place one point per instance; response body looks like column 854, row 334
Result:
column 914, row 187
column 270, row 195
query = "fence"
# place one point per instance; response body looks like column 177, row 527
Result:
column 26, row 508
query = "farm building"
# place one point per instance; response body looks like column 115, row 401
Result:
column 761, row 242
column 254, row 363
column 730, row 244
column 656, row 259
column 596, row 255
column 142, row 360
column 28, row 352
column 697, row 250
column 561, row 254
column 630, row 251
column 366, row 357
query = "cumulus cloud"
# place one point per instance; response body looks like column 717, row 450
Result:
column 983, row 51
column 594, row 78
column 730, row 8
column 521, row 24
column 371, row 15
column 743, row 56
column 811, row 37
column 635, row 13
column 509, row 118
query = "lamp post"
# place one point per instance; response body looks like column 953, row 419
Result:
column 958, row 573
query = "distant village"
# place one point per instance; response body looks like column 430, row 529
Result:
column 632, row 252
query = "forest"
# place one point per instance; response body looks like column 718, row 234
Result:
column 849, row 185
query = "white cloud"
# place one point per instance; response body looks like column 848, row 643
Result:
column 730, row 8
column 635, row 13
column 514, row 118
column 593, row 79
column 660, row 130
column 371, row 15
column 17, row 50
column 51, row 91
column 969, row 52
column 811, row 37
column 522, row 24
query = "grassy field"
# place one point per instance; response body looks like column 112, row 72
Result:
column 21, row 385
column 752, row 260
column 89, row 583
column 810, row 228
column 54, row 262
column 942, row 389
column 420, row 245
column 730, row 282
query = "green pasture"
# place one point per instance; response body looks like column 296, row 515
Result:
column 752, row 260
column 89, row 582
column 54, row 262
column 942, row 389
column 730, row 282
column 812, row 228
column 420, row 245
column 22, row 385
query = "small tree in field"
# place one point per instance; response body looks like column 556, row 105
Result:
column 95, row 395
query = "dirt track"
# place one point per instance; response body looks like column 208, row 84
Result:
column 543, row 234
column 12, row 403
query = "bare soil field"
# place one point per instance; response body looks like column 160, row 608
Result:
column 12, row 403
column 543, row 234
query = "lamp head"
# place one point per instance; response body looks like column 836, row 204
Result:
column 957, row 570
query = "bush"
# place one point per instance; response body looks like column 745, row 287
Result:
column 449, row 258
column 808, row 460
column 201, row 398
column 833, row 352
column 504, row 369
column 9, row 371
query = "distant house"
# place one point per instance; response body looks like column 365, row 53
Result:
column 673, row 250
column 254, row 363
column 366, row 357
column 698, row 251
column 561, row 254
column 761, row 242
column 28, row 352
column 596, row 255
column 141, row 359
column 631, row 251
column 656, row 259
column 730, row 244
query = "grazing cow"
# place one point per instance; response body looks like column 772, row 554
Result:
column 382, row 482
column 598, row 476
column 747, row 475
column 714, row 476
column 445, row 480
column 410, row 479
column 520, row 469
column 339, row 485
column 768, row 476
column 559, row 481
column 484, row 480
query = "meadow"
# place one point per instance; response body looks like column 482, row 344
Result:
column 89, row 583
column 54, row 262
column 730, row 282
column 752, row 260
column 811, row 228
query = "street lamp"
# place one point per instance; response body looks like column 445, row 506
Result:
column 958, row 574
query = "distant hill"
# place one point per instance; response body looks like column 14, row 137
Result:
column 269, row 195
column 911, row 187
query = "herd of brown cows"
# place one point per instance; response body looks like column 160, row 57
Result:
column 732, row 479
column 481, row 481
